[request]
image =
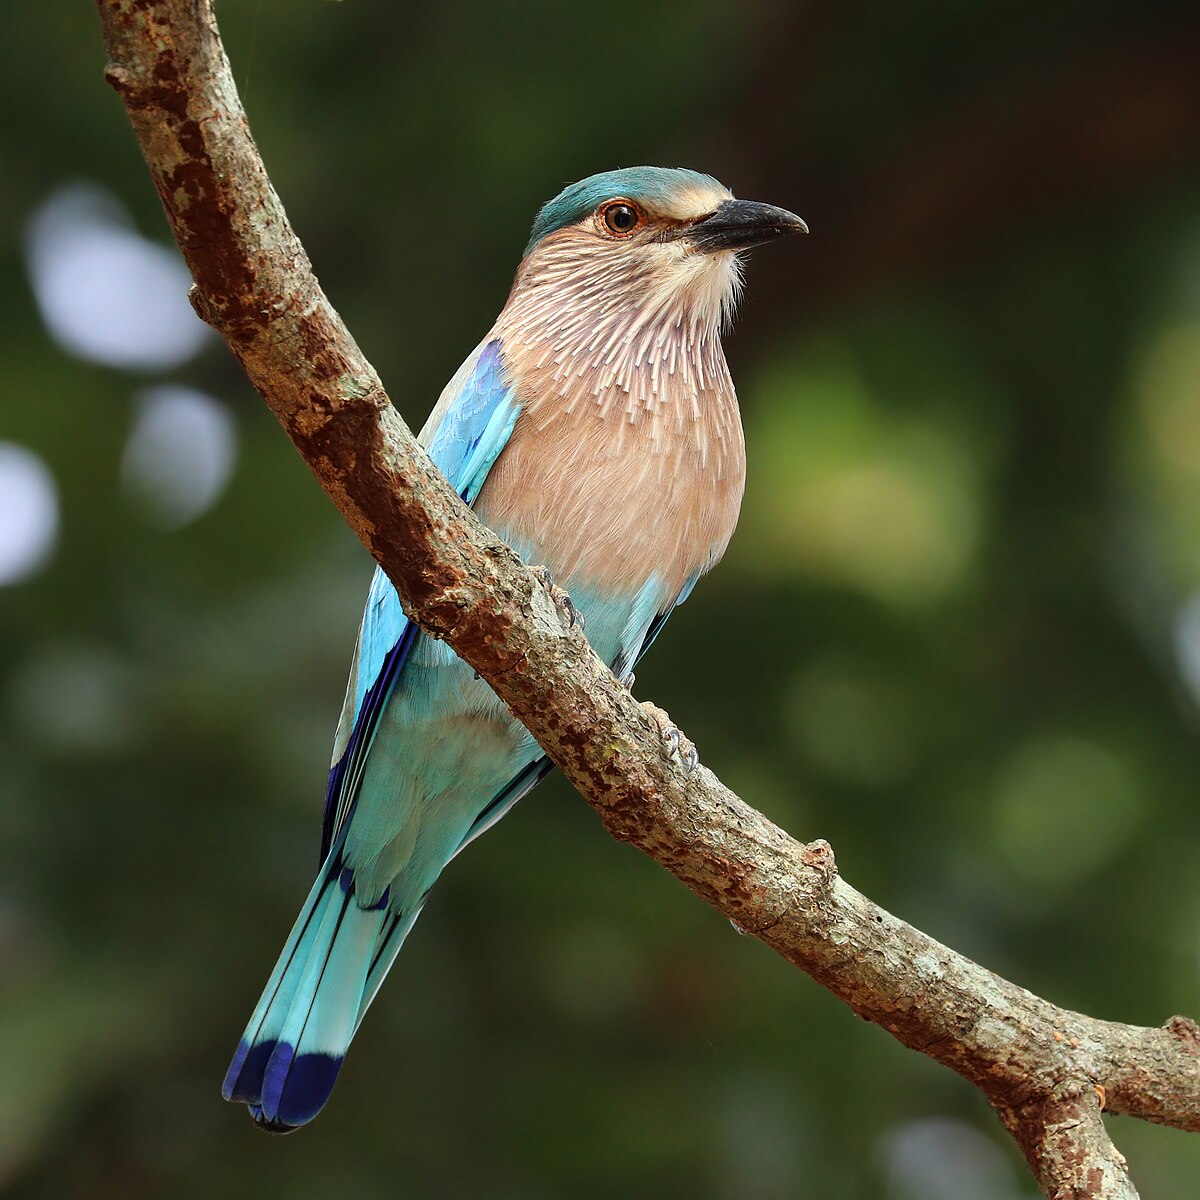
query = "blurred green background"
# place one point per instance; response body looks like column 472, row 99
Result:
column 957, row 633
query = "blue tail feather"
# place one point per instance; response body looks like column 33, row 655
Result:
column 288, row 1059
column 243, row 1080
column 304, row 1066
column 391, row 938
column 298, row 1085
column 335, row 960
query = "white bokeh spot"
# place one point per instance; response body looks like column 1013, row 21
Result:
column 106, row 293
column 942, row 1158
column 29, row 508
column 180, row 454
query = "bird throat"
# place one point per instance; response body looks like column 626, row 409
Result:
column 624, row 340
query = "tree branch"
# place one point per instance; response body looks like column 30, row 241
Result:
column 1036, row 1063
column 1068, row 1148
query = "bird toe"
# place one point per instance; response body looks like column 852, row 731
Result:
column 562, row 600
column 679, row 749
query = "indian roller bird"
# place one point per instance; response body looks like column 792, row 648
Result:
column 596, row 430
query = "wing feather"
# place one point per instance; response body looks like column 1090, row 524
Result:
column 465, row 435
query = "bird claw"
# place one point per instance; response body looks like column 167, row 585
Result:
column 679, row 748
column 564, row 602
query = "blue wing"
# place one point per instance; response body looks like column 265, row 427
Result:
column 474, row 424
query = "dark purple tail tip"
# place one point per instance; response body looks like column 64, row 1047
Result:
column 296, row 1087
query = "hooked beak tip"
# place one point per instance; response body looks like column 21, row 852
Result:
column 740, row 224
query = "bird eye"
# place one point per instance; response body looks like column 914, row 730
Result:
column 620, row 217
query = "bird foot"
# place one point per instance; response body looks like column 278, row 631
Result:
column 679, row 748
column 564, row 602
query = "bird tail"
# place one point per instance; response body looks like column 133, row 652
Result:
column 335, row 958
column 332, row 966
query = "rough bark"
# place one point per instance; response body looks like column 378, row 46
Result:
column 1043, row 1068
column 1065, row 1142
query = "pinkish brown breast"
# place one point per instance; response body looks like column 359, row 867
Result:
column 611, row 480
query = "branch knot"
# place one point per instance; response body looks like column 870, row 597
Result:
column 819, row 856
column 1187, row 1031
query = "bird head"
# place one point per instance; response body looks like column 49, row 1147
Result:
column 652, row 238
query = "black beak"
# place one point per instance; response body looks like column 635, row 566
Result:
column 739, row 224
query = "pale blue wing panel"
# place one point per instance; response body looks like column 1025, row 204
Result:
column 474, row 425
column 660, row 618
column 646, row 617
column 641, row 622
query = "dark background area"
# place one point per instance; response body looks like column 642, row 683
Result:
column 957, row 633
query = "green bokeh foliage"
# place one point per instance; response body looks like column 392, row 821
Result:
column 947, row 635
